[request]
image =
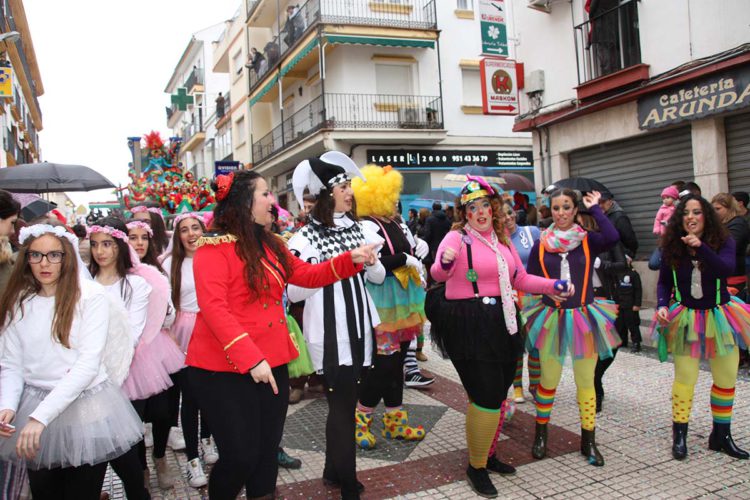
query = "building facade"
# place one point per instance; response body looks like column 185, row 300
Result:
column 230, row 57
column 637, row 94
column 377, row 81
column 20, row 113
column 196, row 88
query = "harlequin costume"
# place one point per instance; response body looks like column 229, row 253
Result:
column 478, row 326
column 704, row 322
column 338, row 319
column 399, row 300
column 580, row 326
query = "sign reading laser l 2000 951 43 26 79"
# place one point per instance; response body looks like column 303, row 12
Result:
column 499, row 86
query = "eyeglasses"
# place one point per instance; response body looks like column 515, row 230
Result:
column 55, row 257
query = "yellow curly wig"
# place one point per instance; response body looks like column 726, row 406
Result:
column 379, row 195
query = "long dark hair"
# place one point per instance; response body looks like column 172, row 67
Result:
column 160, row 238
column 714, row 233
column 8, row 205
column 23, row 285
column 178, row 257
column 233, row 215
column 123, row 264
column 152, row 256
column 325, row 207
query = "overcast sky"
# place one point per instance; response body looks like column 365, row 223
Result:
column 104, row 67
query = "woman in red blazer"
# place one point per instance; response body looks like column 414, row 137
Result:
column 239, row 349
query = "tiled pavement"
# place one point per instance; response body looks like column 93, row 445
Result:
column 633, row 433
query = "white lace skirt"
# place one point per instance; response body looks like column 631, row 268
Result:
column 98, row 426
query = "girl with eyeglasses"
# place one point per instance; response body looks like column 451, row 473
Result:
column 145, row 293
column 60, row 414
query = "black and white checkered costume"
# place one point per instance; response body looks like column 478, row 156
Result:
column 346, row 305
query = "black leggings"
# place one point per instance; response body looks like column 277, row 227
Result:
column 189, row 415
column 69, row 483
column 247, row 420
column 340, row 465
column 385, row 380
column 486, row 382
column 130, row 471
column 602, row 365
column 155, row 410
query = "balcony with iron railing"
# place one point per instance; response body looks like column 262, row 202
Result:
column 351, row 111
column 416, row 14
column 195, row 78
column 608, row 43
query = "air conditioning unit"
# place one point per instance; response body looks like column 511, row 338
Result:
column 542, row 5
column 412, row 117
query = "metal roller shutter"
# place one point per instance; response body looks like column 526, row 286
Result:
column 737, row 130
column 636, row 170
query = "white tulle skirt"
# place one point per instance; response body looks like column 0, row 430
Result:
column 98, row 426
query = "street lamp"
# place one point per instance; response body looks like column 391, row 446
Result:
column 11, row 36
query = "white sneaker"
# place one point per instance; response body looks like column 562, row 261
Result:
column 148, row 438
column 208, row 449
column 196, row 476
column 176, row 441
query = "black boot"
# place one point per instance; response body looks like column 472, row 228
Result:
column 588, row 448
column 679, row 440
column 599, row 400
column 539, row 448
column 721, row 440
column 480, row 482
column 495, row 465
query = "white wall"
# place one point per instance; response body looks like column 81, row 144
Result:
column 672, row 32
column 461, row 39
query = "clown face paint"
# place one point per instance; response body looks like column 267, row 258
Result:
column 479, row 214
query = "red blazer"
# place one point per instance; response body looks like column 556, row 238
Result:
column 233, row 333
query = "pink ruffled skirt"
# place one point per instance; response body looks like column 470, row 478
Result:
column 152, row 363
column 182, row 329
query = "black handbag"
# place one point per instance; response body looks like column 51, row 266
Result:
column 435, row 298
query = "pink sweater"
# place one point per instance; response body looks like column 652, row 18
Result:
column 485, row 264
column 662, row 215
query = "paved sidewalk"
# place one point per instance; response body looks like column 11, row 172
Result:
column 633, row 434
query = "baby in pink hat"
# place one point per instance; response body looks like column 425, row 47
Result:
column 668, row 198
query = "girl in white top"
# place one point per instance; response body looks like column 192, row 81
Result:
column 188, row 228
column 69, row 418
column 144, row 292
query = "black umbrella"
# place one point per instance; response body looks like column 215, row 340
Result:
column 582, row 184
column 37, row 208
column 51, row 178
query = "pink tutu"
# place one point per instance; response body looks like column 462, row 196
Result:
column 182, row 329
column 151, row 366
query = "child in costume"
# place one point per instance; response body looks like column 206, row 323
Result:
column 579, row 326
column 478, row 325
column 669, row 197
column 399, row 300
column 145, row 293
column 338, row 319
column 69, row 414
column 698, row 256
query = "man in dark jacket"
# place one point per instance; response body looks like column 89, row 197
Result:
column 436, row 227
column 617, row 217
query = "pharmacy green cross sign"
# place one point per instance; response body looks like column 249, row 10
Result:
column 181, row 99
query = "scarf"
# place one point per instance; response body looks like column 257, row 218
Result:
column 557, row 241
column 506, row 289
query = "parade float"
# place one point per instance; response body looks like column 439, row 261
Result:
column 157, row 178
